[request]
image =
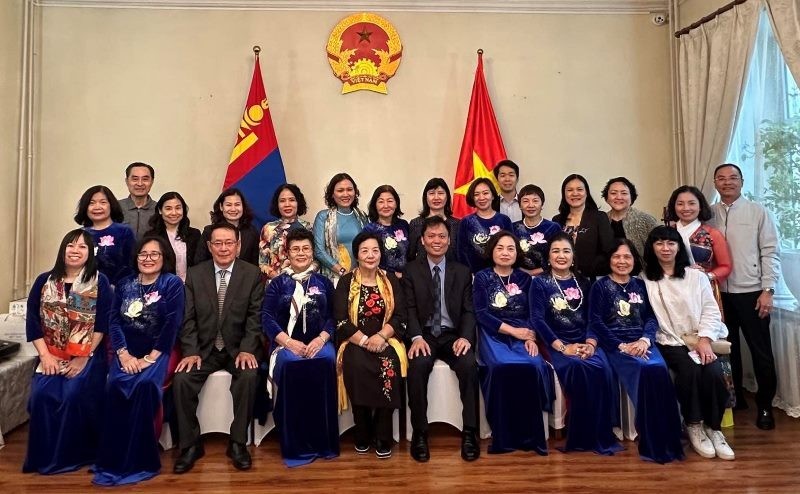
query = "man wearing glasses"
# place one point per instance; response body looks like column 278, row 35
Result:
column 747, row 293
column 221, row 330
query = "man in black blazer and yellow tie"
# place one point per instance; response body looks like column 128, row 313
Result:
column 221, row 330
column 441, row 325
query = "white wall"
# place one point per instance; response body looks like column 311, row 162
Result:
column 693, row 10
column 572, row 93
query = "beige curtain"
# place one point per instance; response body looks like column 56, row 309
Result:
column 712, row 69
column 784, row 15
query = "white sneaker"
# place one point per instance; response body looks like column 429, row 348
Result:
column 720, row 445
column 700, row 442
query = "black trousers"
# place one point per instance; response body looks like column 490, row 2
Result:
column 372, row 424
column 186, row 387
column 419, row 370
column 740, row 313
column 701, row 389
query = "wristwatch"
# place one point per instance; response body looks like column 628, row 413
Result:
column 121, row 350
column 771, row 291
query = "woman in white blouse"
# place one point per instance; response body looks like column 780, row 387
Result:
column 687, row 314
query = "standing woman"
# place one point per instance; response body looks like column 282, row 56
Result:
column 621, row 317
column 100, row 214
column 68, row 310
column 435, row 201
column 287, row 204
column 145, row 319
column 559, row 314
column 171, row 223
column 706, row 246
column 385, row 222
column 370, row 314
column 688, row 315
column 517, row 383
column 533, row 231
column 232, row 207
column 589, row 228
column 336, row 227
column 477, row 228
column 627, row 221
column 296, row 317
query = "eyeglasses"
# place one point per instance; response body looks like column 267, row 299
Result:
column 297, row 250
column 727, row 179
column 217, row 244
column 143, row 256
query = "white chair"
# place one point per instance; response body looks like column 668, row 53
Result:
column 444, row 399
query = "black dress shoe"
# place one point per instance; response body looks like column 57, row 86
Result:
column 188, row 456
column 470, row 446
column 765, row 419
column 240, row 456
column 419, row 446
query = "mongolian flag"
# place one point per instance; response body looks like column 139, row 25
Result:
column 255, row 166
column 482, row 147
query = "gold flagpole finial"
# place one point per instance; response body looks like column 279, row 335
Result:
column 480, row 51
column 256, row 49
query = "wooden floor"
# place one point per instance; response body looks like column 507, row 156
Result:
column 766, row 461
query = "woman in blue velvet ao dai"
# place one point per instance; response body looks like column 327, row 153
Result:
column 517, row 383
column 385, row 221
column 533, row 231
column 145, row 320
column 296, row 317
column 67, row 317
column 621, row 317
column 559, row 315
column 477, row 228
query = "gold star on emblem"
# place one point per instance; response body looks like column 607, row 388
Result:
column 479, row 170
column 364, row 34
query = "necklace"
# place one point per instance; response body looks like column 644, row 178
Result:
column 142, row 294
column 621, row 285
column 533, row 226
column 580, row 294
column 567, row 277
column 345, row 214
column 507, row 280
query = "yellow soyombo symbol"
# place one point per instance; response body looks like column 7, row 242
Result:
column 247, row 137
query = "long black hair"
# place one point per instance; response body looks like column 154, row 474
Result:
column 157, row 225
column 563, row 206
column 448, row 203
column 59, row 270
column 652, row 268
column 82, row 214
column 247, row 212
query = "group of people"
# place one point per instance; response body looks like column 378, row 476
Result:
column 331, row 315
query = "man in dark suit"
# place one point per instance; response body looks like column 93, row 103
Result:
column 221, row 330
column 441, row 325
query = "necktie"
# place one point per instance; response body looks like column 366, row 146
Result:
column 436, row 327
column 219, row 341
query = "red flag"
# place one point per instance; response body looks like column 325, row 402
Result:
column 482, row 147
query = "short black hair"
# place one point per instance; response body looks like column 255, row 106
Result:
column 302, row 207
column 492, row 243
column 509, row 164
column 531, row 190
column 432, row 221
column 563, row 206
column 728, row 164
column 137, row 164
column 157, row 224
column 223, row 225
column 652, row 268
column 167, row 254
column 620, row 180
column 563, row 237
column 373, row 203
column 298, row 235
column 448, row 203
column 59, row 270
column 339, row 177
column 218, row 217
column 82, row 215
column 474, row 185
column 705, row 214
column 363, row 237
column 637, row 259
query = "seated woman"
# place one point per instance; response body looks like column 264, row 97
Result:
column 627, row 221
column 68, row 309
column 336, row 227
column 436, row 200
column 621, row 317
column 171, row 222
column 533, row 231
column 296, row 317
column 232, row 207
column 288, row 204
column 370, row 314
column 684, row 305
column 145, row 320
column 100, row 214
column 559, row 315
column 385, row 222
column 477, row 228
column 517, row 383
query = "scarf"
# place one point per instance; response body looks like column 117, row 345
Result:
column 68, row 318
column 386, row 292
column 686, row 233
column 332, row 245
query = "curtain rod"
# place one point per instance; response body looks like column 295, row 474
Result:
column 709, row 17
